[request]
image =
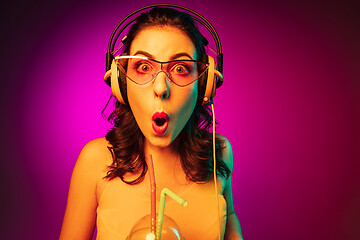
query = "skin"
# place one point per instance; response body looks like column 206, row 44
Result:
column 161, row 95
column 87, row 181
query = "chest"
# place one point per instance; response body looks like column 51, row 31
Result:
column 120, row 206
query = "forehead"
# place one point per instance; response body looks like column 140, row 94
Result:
column 163, row 42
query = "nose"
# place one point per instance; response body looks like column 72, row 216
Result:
column 161, row 85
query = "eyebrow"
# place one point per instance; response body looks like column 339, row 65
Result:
column 173, row 57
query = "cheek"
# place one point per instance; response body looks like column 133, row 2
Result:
column 188, row 104
column 137, row 101
column 192, row 98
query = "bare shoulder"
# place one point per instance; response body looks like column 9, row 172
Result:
column 96, row 149
column 95, row 156
column 227, row 154
column 89, row 169
column 96, row 146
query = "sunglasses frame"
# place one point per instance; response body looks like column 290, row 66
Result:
column 161, row 69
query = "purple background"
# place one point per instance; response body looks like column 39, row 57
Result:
column 290, row 106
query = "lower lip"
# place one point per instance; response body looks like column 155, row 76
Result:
column 160, row 129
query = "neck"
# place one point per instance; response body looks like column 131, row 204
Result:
column 162, row 155
column 166, row 161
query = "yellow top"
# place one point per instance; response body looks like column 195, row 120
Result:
column 118, row 212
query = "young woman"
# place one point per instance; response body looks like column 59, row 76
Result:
column 163, row 116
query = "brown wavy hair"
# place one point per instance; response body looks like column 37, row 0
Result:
column 194, row 141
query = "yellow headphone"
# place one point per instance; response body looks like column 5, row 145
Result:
column 213, row 76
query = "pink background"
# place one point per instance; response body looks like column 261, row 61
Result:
column 290, row 105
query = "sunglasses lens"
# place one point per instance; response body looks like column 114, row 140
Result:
column 142, row 70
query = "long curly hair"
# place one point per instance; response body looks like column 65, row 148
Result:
column 195, row 140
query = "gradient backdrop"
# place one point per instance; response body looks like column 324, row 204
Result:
column 290, row 106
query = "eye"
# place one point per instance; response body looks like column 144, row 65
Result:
column 180, row 69
column 144, row 67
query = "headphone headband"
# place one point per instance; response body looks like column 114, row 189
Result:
column 196, row 16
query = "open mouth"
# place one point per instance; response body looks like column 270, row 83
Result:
column 160, row 122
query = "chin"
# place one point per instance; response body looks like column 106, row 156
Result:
column 160, row 142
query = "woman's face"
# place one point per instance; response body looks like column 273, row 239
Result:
column 160, row 107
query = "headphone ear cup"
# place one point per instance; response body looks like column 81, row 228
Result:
column 115, row 79
column 123, row 87
column 210, row 89
column 202, row 82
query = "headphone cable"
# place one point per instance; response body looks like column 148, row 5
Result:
column 214, row 168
